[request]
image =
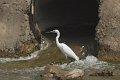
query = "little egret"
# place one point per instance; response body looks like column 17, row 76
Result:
column 66, row 50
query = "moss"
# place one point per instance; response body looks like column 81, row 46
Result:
column 24, row 50
column 48, row 56
column 28, row 47
column 110, row 57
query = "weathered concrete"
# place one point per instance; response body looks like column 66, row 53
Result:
column 15, row 30
column 108, row 30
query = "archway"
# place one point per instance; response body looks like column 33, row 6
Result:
column 76, row 18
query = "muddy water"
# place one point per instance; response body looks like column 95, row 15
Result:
column 29, row 68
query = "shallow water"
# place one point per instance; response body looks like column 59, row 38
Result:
column 89, row 64
column 29, row 68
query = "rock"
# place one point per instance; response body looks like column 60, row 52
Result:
column 104, row 72
column 16, row 34
column 116, row 72
column 53, row 72
column 108, row 30
column 76, row 73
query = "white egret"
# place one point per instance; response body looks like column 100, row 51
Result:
column 66, row 50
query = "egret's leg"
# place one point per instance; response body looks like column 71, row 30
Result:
column 66, row 56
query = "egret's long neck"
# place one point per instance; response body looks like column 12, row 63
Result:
column 57, row 38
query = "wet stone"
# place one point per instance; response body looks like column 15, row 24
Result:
column 53, row 72
column 104, row 72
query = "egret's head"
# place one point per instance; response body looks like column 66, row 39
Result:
column 54, row 31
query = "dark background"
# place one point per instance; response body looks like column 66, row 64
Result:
column 65, row 13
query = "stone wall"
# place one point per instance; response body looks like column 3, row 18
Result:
column 15, row 31
column 108, row 30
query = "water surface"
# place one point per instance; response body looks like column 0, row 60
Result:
column 30, row 67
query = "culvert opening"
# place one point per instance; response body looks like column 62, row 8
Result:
column 76, row 19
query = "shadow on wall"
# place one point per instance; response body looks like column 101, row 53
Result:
column 33, row 22
column 53, row 13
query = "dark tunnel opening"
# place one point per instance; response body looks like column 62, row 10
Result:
column 75, row 19
column 55, row 13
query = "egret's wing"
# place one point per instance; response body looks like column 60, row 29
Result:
column 66, row 49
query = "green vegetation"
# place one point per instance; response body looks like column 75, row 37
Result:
column 24, row 50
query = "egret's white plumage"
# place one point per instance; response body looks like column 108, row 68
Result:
column 66, row 50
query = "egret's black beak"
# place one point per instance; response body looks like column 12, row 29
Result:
column 47, row 32
column 50, row 32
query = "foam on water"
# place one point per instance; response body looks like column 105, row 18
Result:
column 88, row 62
column 44, row 45
column 31, row 56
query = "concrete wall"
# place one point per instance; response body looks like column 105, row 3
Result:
column 108, row 30
column 14, row 25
